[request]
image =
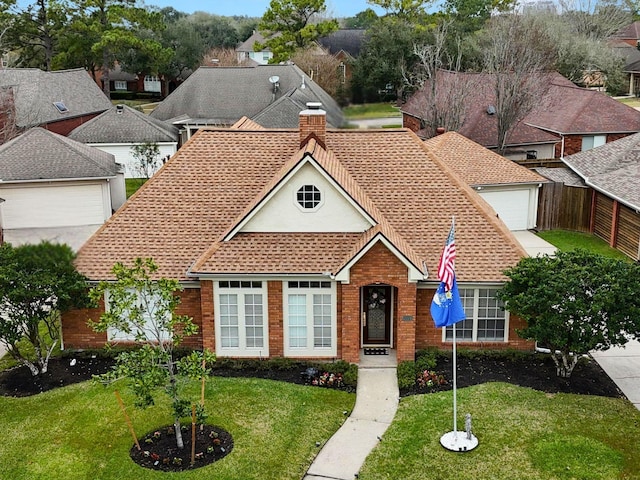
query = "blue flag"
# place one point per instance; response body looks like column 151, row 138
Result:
column 446, row 307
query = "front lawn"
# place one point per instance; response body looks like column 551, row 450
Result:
column 371, row 110
column 133, row 184
column 523, row 434
column 566, row 240
column 78, row 432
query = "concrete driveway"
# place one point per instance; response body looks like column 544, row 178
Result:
column 622, row 364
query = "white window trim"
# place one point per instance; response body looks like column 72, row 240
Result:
column 242, row 350
column 474, row 335
column 120, row 84
column 310, row 350
column 308, row 210
column 115, row 335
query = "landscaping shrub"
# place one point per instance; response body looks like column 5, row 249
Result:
column 406, row 374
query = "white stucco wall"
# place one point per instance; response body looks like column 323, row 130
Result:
column 282, row 213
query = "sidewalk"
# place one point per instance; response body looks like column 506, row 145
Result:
column 622, row 364
column 377, row 399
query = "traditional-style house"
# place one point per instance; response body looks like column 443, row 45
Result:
column 56, row 189
column 310, row 243
column 220, row 96
column 58, row 101
column 120, row 129
column 567, row 119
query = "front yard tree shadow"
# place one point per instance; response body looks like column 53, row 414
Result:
column 140, row 307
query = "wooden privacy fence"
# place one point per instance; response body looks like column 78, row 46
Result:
column 563, row 207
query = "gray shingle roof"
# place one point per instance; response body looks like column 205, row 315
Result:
column 564, row 175
column 223, row 95
column 612, row 169
column 247, row 45
column 347, row 40
column 39, row 154
column 35, row 91
column 123, row 124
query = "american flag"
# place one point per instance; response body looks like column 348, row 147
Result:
column 446, row 270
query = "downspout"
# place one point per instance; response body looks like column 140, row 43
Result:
column 562, row 148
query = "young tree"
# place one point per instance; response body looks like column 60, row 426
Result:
column 574, row 302
column 37, row 283
column 289, row 25
column 144, row 309
column 147, row 158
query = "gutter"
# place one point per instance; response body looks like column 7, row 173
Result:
column 54, row 180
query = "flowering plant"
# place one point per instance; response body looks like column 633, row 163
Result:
column 327, row 379
column 430, row 379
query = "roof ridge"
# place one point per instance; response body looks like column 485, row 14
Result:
column 69, row 143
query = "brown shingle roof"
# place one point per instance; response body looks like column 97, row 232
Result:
column 563, row 109
column 478, row 166
column 213, row 180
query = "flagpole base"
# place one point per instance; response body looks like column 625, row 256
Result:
column 458, row 442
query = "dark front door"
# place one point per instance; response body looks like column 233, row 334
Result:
column 376, row 315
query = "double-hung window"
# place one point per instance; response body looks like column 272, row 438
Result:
column 241, row 319
column 310, row 319
column 152, row 317
column 486, row 320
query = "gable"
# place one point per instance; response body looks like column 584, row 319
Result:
column 282, row 212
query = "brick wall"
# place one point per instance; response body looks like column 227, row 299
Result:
column 276, row 324
column 64, row 127
column 573, row 143
column 410, row 122
column 381, row 266
column 427, row 335
column 207, row 315
column 77, row 334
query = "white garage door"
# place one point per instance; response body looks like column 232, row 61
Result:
column 52, row 206
column 512, row 206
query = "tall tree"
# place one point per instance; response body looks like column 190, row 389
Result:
column 114, row 27
column 35, row 30
column 516, row 58
column 444, row 90
column 574, row 302
column 289, row 25
column 408, row 9
column 37, row 282
column 364, row 19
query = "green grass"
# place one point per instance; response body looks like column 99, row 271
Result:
column 133, row 184
column 631, row 101
column 370, row 110
column 78, row 432
column 522, row 433
column 566, row 240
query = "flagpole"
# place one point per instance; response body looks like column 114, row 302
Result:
column 455, row 387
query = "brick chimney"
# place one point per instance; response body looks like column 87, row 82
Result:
column 313, row 121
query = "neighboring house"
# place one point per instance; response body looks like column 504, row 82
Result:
column 56, row 188
column 220, row 96
column 567, row 120
column 58, row 101
column 119, row 129
column 631, row 56
column 246, row 50
column 510, row 189
column 345, row 45
column 310, row 243
column 611, row 171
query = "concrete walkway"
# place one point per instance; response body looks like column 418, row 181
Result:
column 622, row 364
column 377, row 398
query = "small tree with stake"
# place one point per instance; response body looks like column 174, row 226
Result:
column 144, row 309
column 574, row 302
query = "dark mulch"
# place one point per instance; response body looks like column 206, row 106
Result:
column 158, row 449
column 534, row 370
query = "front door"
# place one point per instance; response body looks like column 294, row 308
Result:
column 376, row 315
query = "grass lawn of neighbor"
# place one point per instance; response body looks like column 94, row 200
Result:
column 371, row 110
column 566, row 240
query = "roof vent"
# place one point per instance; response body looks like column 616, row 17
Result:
column 119, row 109
column 303, row 86
column 491, row 110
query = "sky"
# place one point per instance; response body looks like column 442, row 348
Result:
column 256, row 8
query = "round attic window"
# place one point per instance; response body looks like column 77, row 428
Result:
column 308, row 197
